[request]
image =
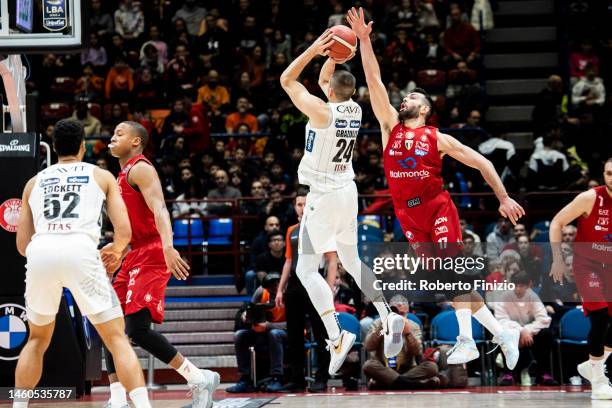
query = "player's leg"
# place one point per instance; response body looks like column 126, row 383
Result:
column 30, row 364
column 346, row 238
column 316, row 238
column 127, row 367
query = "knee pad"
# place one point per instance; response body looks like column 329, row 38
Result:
column 598, row 333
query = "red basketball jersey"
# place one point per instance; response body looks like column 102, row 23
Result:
column 595, row 230
column 141, row 217
column 413, row 165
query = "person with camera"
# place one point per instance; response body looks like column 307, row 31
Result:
column 261, row 323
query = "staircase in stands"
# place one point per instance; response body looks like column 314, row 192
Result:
column 520, row 53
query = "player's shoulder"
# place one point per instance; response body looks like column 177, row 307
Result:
column 142, row 168
column 586, row 199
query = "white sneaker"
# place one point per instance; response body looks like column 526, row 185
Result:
column 463, row 351
column 339, row 350
column 202, row 393
column 508, row 340
column 601, row 391
column 584, row 369
column 393, row 328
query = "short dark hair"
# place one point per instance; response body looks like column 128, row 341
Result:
column 430, row 102
column 274, row 234
column 68, row 136
column 302, row 191
column 343, row 84
column 521, row 278
column 140, row 132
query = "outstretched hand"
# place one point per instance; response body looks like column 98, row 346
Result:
column 356, row 20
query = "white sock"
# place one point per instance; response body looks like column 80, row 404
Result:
column 20, row 402
column 606, row 355
column 140, row 397
column 464, row 317
column 191, row 373
column 331, row 326
column 597, row 368
column 486, row 318
column 118, row 397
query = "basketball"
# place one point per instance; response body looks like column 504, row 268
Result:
column 345, row 43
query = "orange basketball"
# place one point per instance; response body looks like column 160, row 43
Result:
column 345, row 42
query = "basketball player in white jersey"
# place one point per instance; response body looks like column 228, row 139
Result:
column 330, row 217
column 58, row 232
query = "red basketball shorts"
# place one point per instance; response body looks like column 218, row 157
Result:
column 141, row 282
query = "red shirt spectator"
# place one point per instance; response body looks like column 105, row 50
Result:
column 579, row 60
column 460, row 38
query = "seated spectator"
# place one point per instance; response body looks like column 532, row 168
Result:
column 406, row 371
column 223, row 191
column 147, row 90
column 569, row 233
column 279, row 43
column 192, row 14
column 338, row 17
column 119, row 81
column 183, row 206
column 263, row 323
column 91, row 124
column 589, row 91
column 548, row 166
column 154, row 38
column 89, row 86
column 273, row 259
column 259, row 246
column 501, row 153
column 95, row 53
column 280, row 208
column 279, row 179
column 579, row 60
column 150, row 58
column 168, row 178
column 116, row 49
column 129, row 20
column 257, row 206
column 522, row 309
column 548, row 104
column 463, row 94
column 181, row 73
column 100, row 22
column 212, row 93
column 498, row 238
column 241, row 116
column 345, row 299
column 461, row 40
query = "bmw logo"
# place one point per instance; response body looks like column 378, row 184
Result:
column 13, row 330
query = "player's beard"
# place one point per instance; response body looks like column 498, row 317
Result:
column 411, row 112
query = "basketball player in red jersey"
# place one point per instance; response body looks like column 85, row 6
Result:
column 413, row 162
column 592, row 267
column 141, row 282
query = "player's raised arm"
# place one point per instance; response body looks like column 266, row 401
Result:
column 313, row 107
column 385, row 113
column 579, row 206
column 327, row 70
column 25, row 226
column 145, row 177
column 458, row 151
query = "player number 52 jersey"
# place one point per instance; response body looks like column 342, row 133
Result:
column 67, row 199
column 327, row 162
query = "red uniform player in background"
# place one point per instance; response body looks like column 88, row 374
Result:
column 592, row 266
column 413, row 162
column 141, row 282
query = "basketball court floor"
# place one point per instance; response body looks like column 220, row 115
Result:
column 515, row 397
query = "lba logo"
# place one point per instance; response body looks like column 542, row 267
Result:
column 13, row 330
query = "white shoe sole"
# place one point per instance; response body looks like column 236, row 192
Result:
column 348, row 339
column 467, row 359
column 601, row 396
column 396, row 331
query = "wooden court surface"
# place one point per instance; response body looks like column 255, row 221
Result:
column 515, row 397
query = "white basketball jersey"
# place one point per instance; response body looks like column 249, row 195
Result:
column 327, row 163
column 66, row 199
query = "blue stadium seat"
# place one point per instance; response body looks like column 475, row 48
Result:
column 574, row 329
column 182, row 229
column 543, row 227
column 220, row 231
column 350, row 323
